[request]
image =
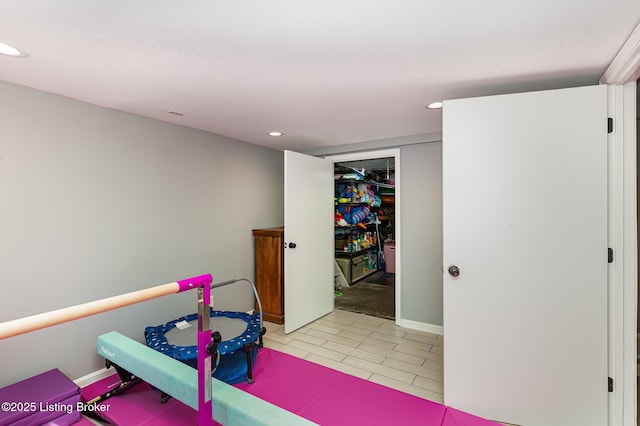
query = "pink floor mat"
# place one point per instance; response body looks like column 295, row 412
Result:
column 315, row 392
column 139, row 405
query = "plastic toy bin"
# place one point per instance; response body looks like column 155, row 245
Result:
column 390, row 257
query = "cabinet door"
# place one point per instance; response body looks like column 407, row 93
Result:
column 268, row 271
column 308, row 235
column 525, row 221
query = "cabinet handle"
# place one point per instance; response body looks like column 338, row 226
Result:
column 292, row 245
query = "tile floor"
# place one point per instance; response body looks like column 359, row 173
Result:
column 368, row 347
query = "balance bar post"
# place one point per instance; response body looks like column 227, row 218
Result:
column 204, row 358
column 202, row 283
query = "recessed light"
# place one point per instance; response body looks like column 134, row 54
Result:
column 7, row 49
column 275, row 133
column 434, row 105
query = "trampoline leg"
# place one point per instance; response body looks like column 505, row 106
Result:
column 248, row 349
column 263, row 331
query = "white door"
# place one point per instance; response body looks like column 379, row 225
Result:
column 309, row 239
column 525, row 222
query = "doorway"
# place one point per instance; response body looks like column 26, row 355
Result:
column 368, row 245
column 365, row 236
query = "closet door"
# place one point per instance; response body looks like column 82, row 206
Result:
column 308, row 239
column 525, row 256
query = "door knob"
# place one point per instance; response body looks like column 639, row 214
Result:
column 292, row 245
column 454, row 271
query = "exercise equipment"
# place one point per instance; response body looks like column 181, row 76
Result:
column 231, row 406
column 240, row 337
column 187, row 387
column 47, row 398
column 59, row 316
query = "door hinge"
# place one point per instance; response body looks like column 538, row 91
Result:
column 609, row 125
column 610, row 385
column 610, row 255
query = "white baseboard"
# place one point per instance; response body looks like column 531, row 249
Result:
column 94, row 377
column 422, row 326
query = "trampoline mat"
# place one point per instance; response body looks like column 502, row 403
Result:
column 178, row 338
column 187, row 334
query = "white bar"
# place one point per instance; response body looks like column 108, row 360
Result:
column 48, row 319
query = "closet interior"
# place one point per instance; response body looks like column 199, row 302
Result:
column 365, row 237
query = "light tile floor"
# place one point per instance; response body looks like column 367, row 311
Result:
column 371, row 348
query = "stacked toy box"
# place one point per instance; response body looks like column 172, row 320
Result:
column 48, row 398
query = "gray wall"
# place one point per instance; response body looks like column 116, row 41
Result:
column 96, row 203
column 421, row 168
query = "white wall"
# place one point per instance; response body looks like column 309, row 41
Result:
column 95, row 203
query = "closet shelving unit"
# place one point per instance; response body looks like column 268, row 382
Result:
column 359, row 261
column 356, row 259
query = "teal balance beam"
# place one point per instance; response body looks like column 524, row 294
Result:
column 231, row 406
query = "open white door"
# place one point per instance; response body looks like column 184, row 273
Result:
column 525, row 223
column 309, row 239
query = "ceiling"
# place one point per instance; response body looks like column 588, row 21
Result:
column 324, row 72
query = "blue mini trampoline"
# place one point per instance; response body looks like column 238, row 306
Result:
column 237, row 338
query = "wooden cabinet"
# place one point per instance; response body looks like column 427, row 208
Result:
column 269, row 272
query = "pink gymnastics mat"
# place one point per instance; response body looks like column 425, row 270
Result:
column 317, row 393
